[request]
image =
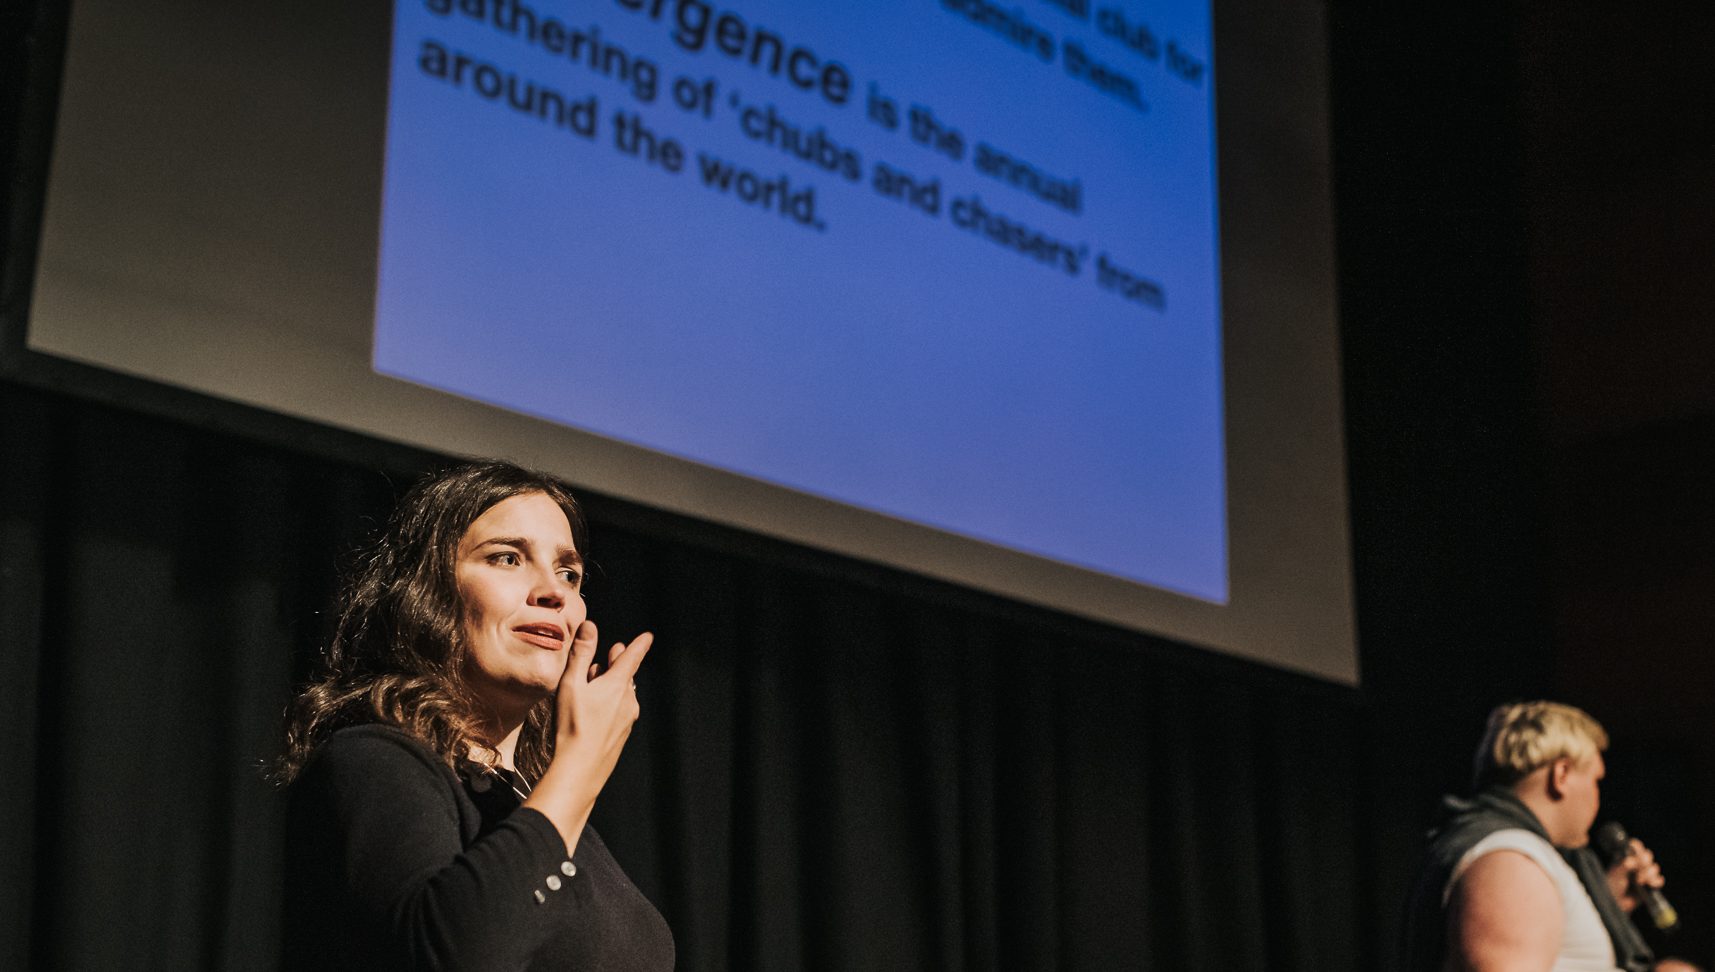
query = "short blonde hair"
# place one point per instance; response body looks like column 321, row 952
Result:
column 1524, row 736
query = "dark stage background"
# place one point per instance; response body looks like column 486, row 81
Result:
column 841, row 767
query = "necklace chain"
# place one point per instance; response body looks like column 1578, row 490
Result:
column 522, row 794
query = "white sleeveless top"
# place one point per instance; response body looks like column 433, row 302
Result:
column 1584, row 943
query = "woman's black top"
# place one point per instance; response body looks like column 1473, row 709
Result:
column 394, row 861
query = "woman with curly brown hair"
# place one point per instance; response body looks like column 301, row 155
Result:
column 442, row 769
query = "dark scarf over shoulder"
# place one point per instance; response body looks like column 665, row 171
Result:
column 1462, row 825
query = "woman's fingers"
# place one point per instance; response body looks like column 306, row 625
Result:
column 624, row 660
column 582, row 658
column 584, row 639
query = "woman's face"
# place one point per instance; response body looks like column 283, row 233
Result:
column 519, row 575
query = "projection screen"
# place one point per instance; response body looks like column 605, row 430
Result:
column 1034, row 298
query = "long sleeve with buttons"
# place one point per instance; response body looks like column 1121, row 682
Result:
column 394, row 861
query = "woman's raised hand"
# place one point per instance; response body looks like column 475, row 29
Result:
column 596, row 709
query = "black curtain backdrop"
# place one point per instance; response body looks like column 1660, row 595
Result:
column 838, row 766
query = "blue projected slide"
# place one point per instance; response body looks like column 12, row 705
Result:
column 954, row 262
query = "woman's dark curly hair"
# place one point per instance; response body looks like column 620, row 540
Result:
column 398, row 653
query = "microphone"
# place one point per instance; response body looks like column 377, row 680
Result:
column 1615, row 844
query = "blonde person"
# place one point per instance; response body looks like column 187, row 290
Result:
column 1509, row 883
